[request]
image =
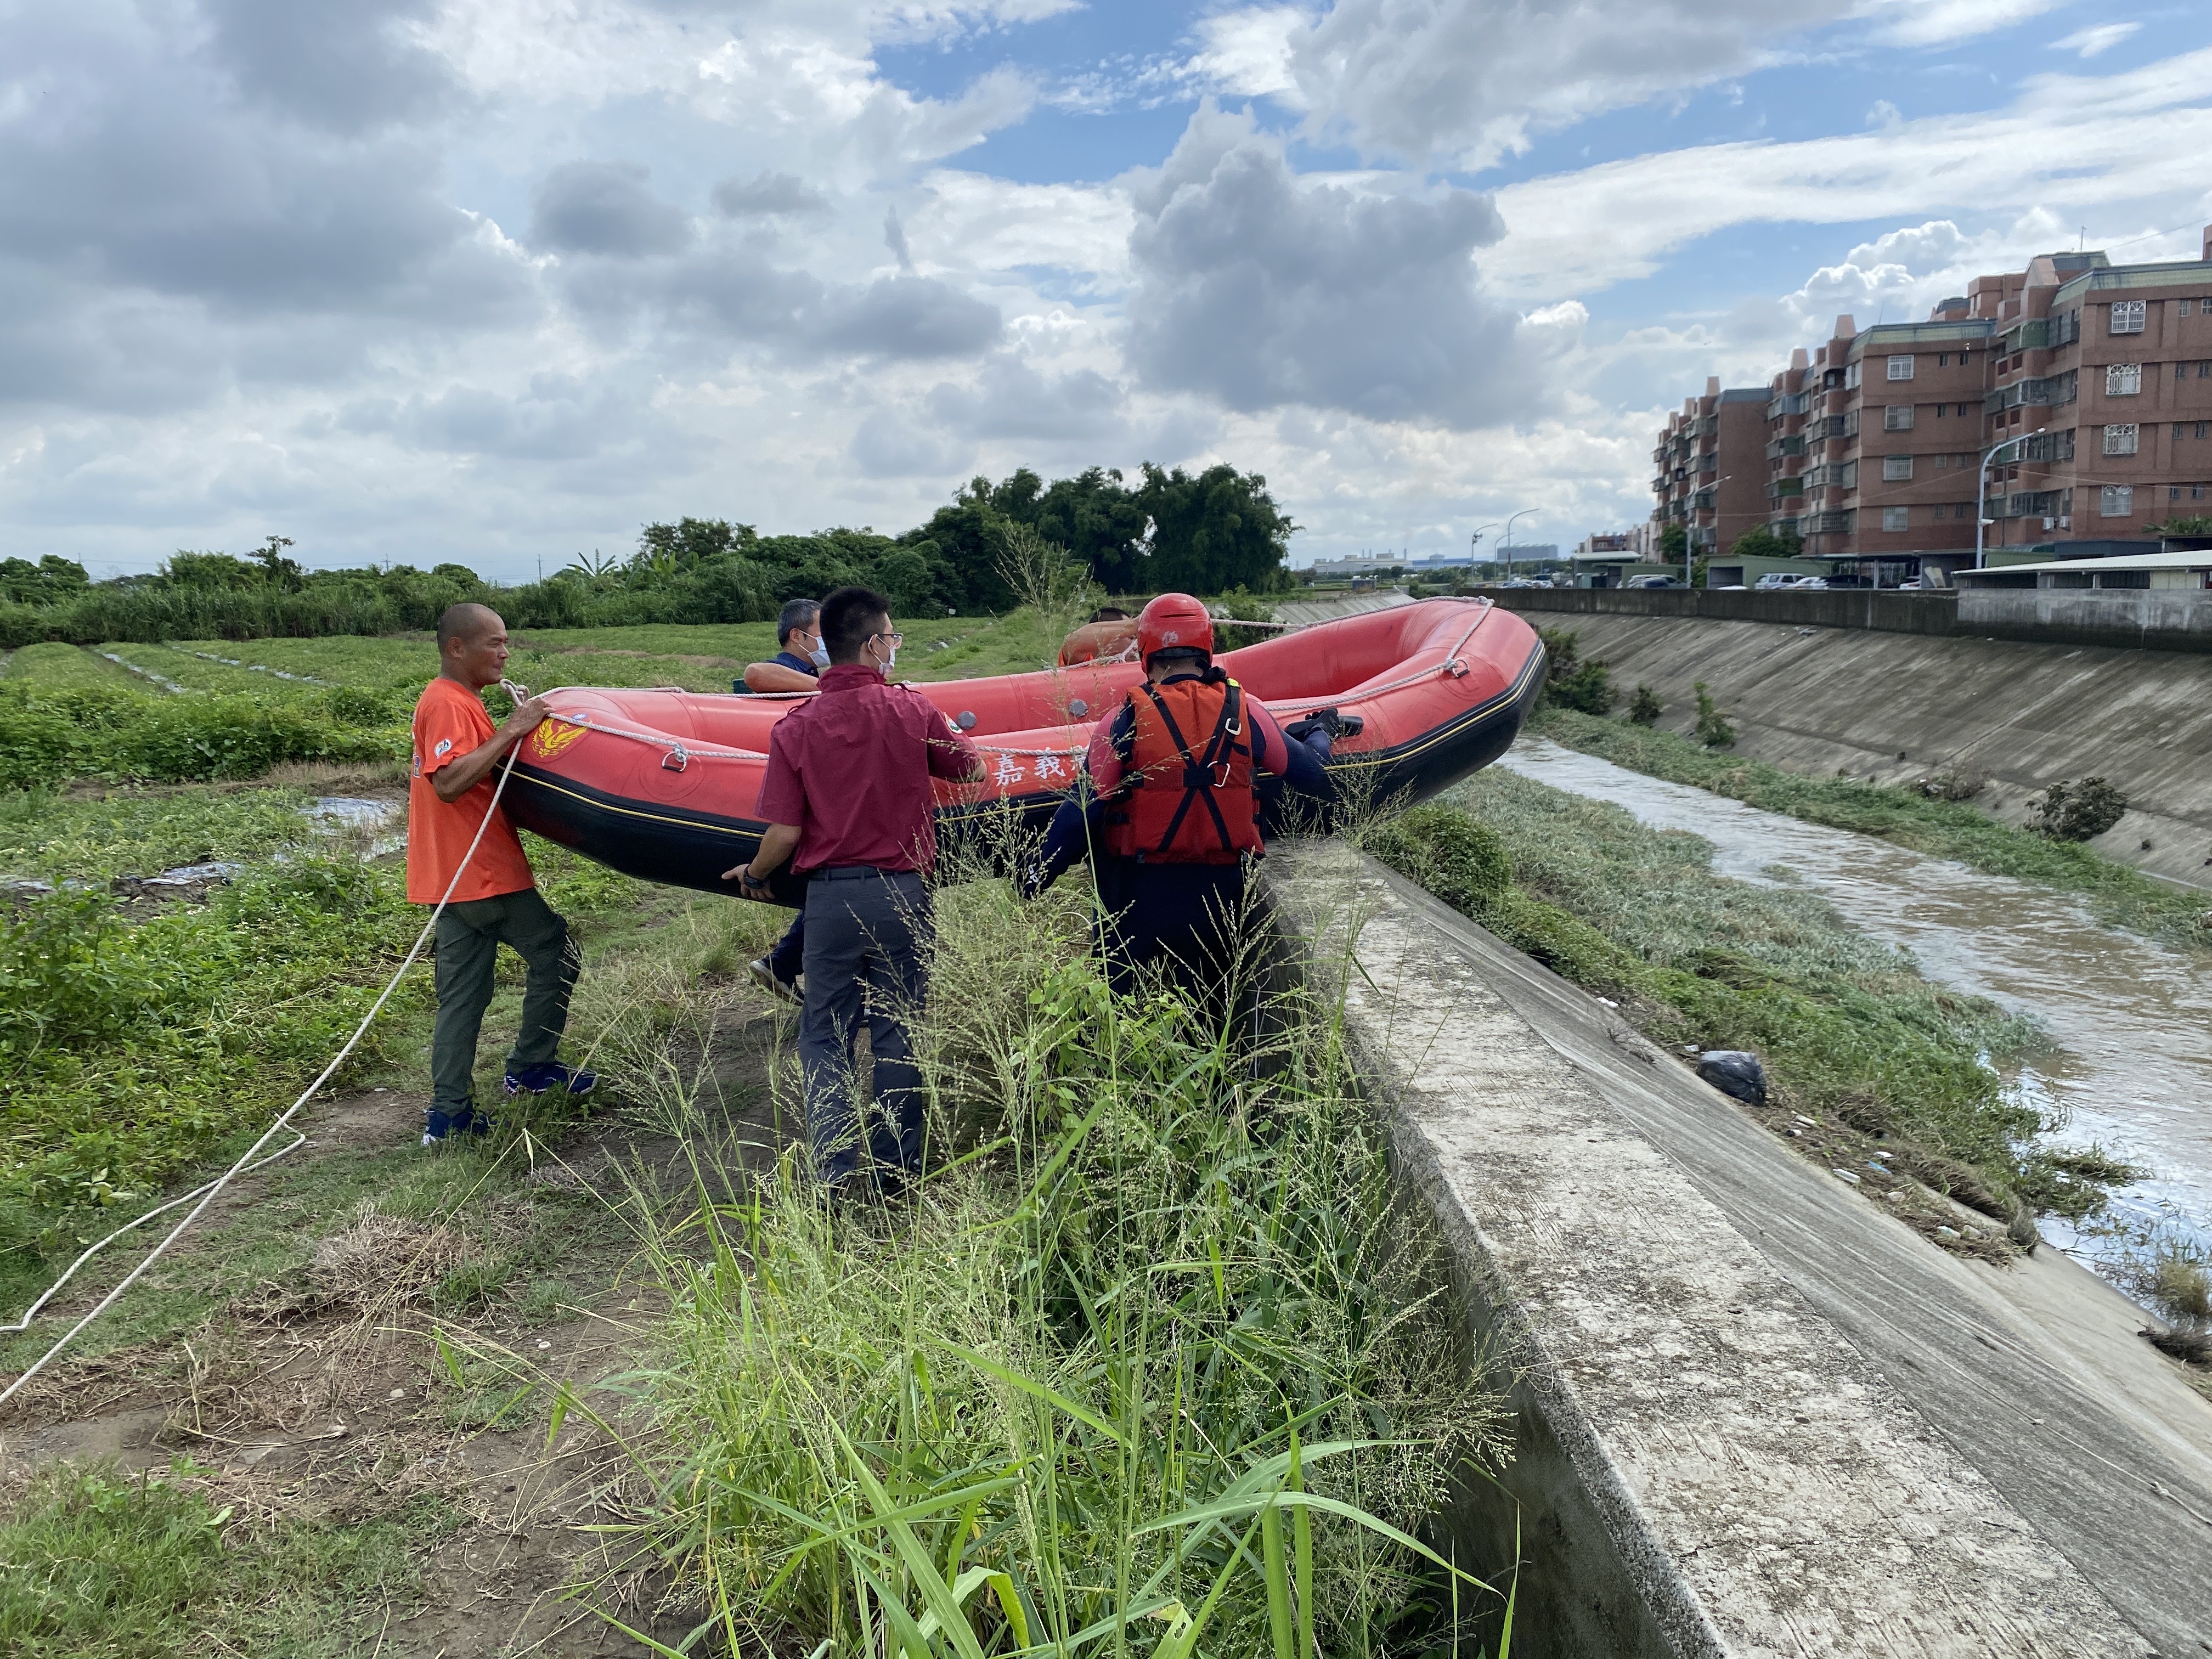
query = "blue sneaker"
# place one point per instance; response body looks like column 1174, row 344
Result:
column 551, row 1074
column 437, row 1125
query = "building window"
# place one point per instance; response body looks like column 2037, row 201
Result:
column 2128, row 316
column 2123, row 380
column 2120, row 439
column 2185, row 308
column 2204, row 369
column 1850, row 375
column 2116, row 501
column 1897, row 418
column 2200, row 428
column 1900, row 368
column 1895, row 518
column 1896, row 468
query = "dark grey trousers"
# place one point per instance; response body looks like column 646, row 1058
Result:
column 865, row 937
column 469, row 938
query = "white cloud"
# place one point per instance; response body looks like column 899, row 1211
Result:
column 1464, row 82
column 2069, row 143
column 2098, row 37
column 1945, row 22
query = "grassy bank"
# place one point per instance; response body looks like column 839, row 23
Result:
column 97, row 1566
column 1153, row 1356
column 2121, row 897
column 1849, row 1032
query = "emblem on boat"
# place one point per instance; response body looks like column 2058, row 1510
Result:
column 552, row 736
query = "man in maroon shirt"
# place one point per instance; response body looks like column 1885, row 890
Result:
column 847, row 791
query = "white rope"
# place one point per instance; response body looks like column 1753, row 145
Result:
column 246, row 1159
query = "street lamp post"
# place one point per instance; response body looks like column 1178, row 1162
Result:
column 1475, row 541
column 1689, row 542
column 1982, row 488
column 1505, row 542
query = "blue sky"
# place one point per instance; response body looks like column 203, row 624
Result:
column 500, row 281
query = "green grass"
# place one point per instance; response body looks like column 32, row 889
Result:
column 72, row 667
column 96, row 1564
column 141, row 832
column 2120, row 897
column 1084, row 1379
column 1846, row 1025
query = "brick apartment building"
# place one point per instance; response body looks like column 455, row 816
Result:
column 1710, row 466
column 1871, row 443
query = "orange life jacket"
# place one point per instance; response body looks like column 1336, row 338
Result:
column 1186, row 796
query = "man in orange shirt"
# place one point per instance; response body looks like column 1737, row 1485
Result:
column 495, row 899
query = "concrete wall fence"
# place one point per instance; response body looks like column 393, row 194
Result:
column 2158, row 619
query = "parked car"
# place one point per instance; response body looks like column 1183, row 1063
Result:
column 1776, row 582
column 1654, row 582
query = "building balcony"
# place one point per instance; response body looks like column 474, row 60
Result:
column 1792, row 445
column 1780, row 489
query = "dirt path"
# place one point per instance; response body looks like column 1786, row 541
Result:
column 351, row 1385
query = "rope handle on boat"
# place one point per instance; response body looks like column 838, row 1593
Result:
column 248, row 1160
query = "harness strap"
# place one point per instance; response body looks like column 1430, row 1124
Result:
column 1197, row 771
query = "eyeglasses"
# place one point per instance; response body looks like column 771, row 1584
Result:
column 897, row 640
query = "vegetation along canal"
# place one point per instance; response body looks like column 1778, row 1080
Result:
column 2127, row 1069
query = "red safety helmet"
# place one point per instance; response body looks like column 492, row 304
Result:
column 1170, row 621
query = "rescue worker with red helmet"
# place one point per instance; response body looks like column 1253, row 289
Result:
column 1169, row 810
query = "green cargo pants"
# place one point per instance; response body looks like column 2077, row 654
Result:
column 469, row 938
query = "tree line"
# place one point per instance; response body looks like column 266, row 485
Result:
column 1212, row 532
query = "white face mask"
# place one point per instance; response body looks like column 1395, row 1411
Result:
column 818, row 657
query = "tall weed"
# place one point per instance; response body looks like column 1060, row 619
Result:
column 1150, row 1329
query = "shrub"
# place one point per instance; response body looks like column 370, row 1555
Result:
column 1645, row 709
column 1572, row 683
column 1956, row 784
column 1713, row 728
column 2079, row 812
column 1458, row 858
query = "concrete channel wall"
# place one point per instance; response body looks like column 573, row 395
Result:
column 2153, row 618
column 1894, row 707
column 1886, row 610
column 1752, row 1415
column 2174, row 621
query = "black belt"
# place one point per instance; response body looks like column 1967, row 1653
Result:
column 854, row 871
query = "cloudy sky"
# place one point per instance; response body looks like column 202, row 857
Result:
column 498, row 281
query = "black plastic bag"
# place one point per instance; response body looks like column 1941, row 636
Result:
column 1733, row 1071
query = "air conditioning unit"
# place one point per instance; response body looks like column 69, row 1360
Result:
column 2066, row 521
column 2050, row 524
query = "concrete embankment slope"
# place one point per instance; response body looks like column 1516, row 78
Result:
column 1895, row 706
column 1756, row 1416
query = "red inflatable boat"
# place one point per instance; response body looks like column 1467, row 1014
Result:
column 663, row 785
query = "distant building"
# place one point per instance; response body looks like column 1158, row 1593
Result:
column 1528, row 553
column 1355, row 565
column 1873, row 440
column 1621, row 542
column 1712, row 464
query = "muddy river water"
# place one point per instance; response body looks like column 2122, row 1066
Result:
column 2132, row 1020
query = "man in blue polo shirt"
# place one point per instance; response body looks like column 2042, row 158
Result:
column 799, row 655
